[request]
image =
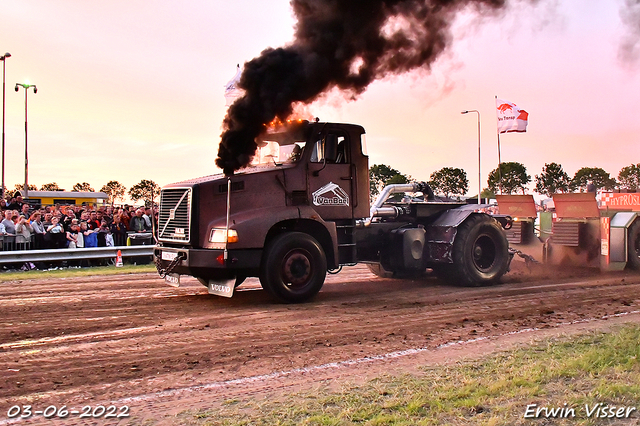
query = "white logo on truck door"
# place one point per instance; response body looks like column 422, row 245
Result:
column 330, row 195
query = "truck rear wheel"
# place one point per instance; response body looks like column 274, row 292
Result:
column 633, row 245
column 480, row 253
column 293, row 268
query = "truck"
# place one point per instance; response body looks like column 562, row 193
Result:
column 302, row 209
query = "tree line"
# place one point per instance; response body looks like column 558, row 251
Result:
column 145, row 190
column 512, row 177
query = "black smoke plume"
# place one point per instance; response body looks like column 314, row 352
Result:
column 630, row 15
column 338, row 43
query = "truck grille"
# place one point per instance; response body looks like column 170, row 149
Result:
column 174, row 222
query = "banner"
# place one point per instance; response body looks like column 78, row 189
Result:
column 510, row 117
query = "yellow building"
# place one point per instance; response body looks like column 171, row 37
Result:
column 49, row 198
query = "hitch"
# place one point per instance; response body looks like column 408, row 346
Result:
column 504, row 220
column 163, row 272
column 528, row 259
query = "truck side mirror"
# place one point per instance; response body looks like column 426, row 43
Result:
column 330, row 148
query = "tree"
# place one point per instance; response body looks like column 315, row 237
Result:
column 144, row 190
column 381, row 175
column 487, row 193
column 51, row 187
column 20, row 186
column 82, row 187
column 449, row 181
column 629, row 177
column 514, row 178
column 115, row 190
column 552, row 180
column 592, row 175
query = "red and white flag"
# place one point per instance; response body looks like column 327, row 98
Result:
column 510, row 117
column 231, row 89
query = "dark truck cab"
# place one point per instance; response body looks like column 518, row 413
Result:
column 301, row 208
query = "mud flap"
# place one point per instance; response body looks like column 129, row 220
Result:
column 222, row 288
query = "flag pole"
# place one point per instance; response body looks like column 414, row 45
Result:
column 499, row 160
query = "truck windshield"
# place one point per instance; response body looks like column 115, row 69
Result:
column 273, row 153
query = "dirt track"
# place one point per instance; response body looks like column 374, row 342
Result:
column 126, row 339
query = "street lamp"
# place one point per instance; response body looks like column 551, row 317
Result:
column 26, row 88
column 3, row 59
column 479, row 173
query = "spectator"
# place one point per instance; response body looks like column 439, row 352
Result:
column 90, row 236
column 3, row 204
column 93, row 223
column 137, row 223
column 9, row 226
column 103, row 231
column 55, row 227
column 100, row 216
column 16, row 203
column 125, row 218
column 38, row 230
column 23, row 230
column 80, row 236
column 72, row 235
column 147, row 217
column 119, row 231
column 47, row 221
column 56, row 234
column 69, row 219
column 25, row 210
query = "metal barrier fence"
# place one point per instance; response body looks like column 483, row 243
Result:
column 52, row 255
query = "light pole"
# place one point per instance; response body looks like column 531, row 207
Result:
column 3, row 58
column 26, row 88
column 479, row 173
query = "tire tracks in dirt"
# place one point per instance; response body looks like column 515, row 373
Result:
column 94, row 339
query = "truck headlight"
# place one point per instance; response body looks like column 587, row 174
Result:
column 217, row 236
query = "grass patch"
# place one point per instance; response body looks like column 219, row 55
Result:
column 589, row 369
column 75, row 272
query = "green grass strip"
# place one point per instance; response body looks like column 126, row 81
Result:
column 75, row 272
column 556, row 374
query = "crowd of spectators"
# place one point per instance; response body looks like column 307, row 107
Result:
column 71, row 226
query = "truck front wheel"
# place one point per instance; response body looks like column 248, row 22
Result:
column 480, row 253
column 293, row 268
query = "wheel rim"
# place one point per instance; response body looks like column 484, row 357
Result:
column 483, row 253
column 296, row 268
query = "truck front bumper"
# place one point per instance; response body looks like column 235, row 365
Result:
column 206, row 263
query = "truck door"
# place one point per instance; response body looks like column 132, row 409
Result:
column 331, row 176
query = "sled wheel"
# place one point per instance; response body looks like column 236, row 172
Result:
column 633, row 245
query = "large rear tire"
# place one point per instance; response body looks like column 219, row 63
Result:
column 633, row 246
column 480, row 253
column 293, row 268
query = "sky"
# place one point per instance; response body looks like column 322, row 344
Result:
column 133, row 90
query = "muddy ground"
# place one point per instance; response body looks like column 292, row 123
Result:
column 132, row 340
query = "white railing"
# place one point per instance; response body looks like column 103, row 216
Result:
column 51, row 255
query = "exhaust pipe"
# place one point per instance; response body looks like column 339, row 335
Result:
column 378, row 211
